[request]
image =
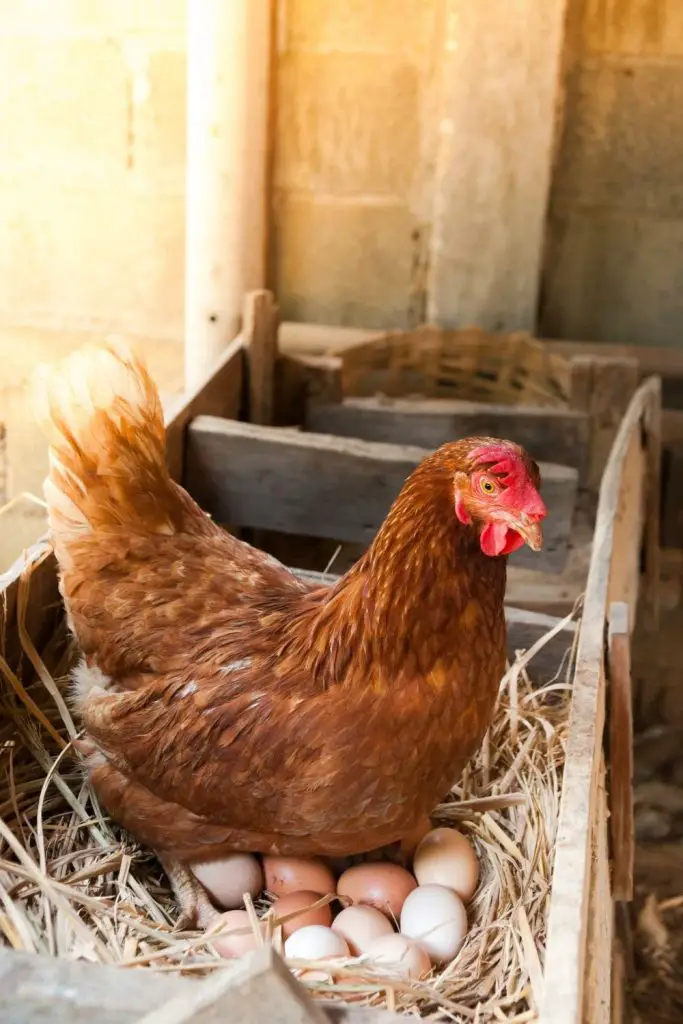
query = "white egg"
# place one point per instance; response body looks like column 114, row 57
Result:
column 402, row 956
column 436, row 918
column 315, row 942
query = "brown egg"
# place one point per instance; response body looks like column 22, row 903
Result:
column 297, row 874
column 236, row 936
column 226, row 880
column 300, row 901
column 360, row 926
column 402, row 956
column 446, row 857
column 384, row 886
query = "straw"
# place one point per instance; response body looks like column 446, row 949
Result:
column 74, row 885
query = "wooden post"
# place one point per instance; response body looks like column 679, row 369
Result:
column 602, row 387
column 621, row 752
column 228, row 60
column 260, row 331
column 496, row 124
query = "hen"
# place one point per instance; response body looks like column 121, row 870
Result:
column 227, row 705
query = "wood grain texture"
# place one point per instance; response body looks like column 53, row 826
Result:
column 35, row 989
column 220, row 394
column 567, row 942
column 325, row 486
column 260, row 332
column 549, row 435
column 621, row 752
column 599, row 925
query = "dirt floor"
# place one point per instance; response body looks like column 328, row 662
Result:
column 21, row 350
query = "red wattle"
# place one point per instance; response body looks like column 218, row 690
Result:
column 499, row 539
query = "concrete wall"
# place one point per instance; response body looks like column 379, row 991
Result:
column 92, row 152
column 92, row 164
column 614, row 269
column 352, row 160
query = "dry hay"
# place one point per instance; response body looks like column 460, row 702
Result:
column 72, row 885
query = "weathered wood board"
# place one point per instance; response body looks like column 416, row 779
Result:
column 319, row 485
column 549, row 435
column 524, row 629
column 35, row 989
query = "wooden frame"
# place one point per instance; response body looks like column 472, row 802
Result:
column 578, row 955
column 234, row 469
column 579, row 945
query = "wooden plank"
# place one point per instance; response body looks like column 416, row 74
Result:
column 653, row 513
column 35, row 989
column 500, row 87
column 220, row 394
column 259, row 331
column 602, row 387
column 621, row 752
column 324, row 486
column 259, row 988
column 303, row 377
column 549, row 435
column 599, row 932
column 565, row 962
column 524, row 628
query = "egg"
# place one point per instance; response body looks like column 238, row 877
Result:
column 406, row 957
column 297, row 874
column 315, row 942
column 446, row 857
column 226, row 880
column 360, row 926
column 384, row 886
column 229, row 943
column 300, row 901
column 435, row 917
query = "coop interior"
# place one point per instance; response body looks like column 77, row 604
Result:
column 341, row 236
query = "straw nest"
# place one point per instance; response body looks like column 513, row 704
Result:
column 72, row 885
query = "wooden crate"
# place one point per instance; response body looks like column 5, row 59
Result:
column 587, row 876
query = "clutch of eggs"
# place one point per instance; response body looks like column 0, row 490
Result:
column 427, row 907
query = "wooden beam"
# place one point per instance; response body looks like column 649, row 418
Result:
column 260, row 330
column 319, row 485
column 228, row 79
column 549, row 435
column 621, row 752
column 218, row 394
column 499, row 91
column 524, row 629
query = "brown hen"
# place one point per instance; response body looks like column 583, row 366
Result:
column 227, row 705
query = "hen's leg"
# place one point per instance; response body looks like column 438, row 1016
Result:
column 197, row 910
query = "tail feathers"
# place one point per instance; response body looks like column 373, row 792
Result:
column 101, row 413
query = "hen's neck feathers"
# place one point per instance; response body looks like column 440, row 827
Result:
column 409, row 601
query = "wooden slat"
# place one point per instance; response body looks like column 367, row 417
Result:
column 34, row 989
column 524, row 629
column 621, row 752
column 565, row 962
column 323, row 486
column 260, row 329
column 219, row 395
column 549, row 435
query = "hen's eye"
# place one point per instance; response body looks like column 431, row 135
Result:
column 488, row 486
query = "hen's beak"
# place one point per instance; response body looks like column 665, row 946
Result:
column 531, row 531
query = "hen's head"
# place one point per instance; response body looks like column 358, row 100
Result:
column 496, row 490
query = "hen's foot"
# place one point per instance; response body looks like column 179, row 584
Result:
column 196, row 909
